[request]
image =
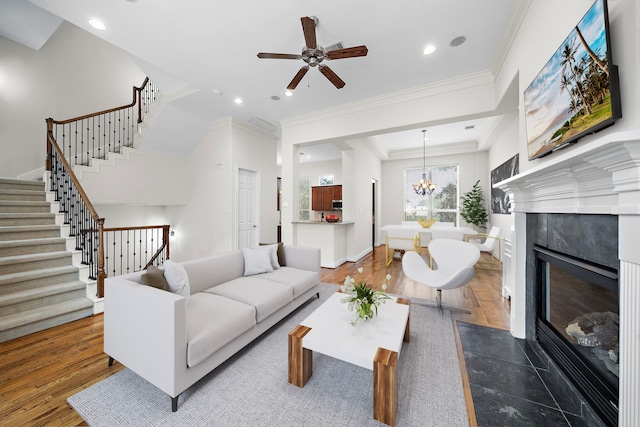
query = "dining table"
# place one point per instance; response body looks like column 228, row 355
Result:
column 427, row 232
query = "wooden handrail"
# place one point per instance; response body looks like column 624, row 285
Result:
column 55, row 151
column 51, row 142
column 136, row 99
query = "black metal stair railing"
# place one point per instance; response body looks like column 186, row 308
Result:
column 95, row 135
column 74, row 142
column 130, row 249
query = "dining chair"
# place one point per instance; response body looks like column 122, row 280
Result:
column 401, row 239
column 489, row 244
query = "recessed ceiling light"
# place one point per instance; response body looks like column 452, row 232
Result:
column 237, row 100
column 429, row 49
column 97, row 24
column 458, row 41
column 288, row 93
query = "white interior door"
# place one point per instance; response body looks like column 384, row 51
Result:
column 247, row 209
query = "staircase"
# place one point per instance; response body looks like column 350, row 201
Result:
column 39, row 285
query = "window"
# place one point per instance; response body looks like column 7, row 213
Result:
column 326, row 179
column 442, row 205
column 304, row 189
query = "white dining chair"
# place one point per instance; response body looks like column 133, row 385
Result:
column 401, row 239
column 488, row 246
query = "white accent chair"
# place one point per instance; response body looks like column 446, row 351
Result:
column 489, row 244
column 401, row 239
column 454, row 259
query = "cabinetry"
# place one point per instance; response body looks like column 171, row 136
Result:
column 323, row 196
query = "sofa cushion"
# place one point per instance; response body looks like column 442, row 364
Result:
column 266, row 296
column 300, row 280
column 177, row 278
column 257, row 260
column 279, row 252
column 154, row 277
column 212, row 322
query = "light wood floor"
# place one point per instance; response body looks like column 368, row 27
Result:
column 38, row 372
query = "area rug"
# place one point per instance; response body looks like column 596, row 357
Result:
column 251, row 388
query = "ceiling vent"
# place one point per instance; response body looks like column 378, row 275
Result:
column 334, row 46
column 469, row 127
column 263, row 124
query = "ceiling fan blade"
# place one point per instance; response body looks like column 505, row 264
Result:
column 333, row 77
column 309, row 29
column 278, row 55
column 349, row 52
column 298, row 77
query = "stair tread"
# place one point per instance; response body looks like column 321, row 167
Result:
column 27, row 294
column 28, row 242
column 34, row 257
column 45, row 272
column 26, row 214
column 29, row 227
column 34, row 184
column 25, row 202
column 53, row 310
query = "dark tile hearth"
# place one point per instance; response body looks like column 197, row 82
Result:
column 513, row 384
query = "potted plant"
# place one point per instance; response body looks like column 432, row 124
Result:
column 473, row 210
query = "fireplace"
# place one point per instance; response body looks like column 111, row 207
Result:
column 597, row 179
column 577, row 325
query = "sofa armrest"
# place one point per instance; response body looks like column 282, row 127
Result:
column 302, row 257
column 145, row 329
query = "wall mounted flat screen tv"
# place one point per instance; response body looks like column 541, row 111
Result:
column 577, row 92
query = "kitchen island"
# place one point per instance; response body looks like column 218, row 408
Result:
column 330, row 237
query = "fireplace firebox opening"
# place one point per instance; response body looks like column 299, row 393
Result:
column 578, row 324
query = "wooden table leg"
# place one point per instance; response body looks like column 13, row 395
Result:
column 385, row 386
column 300, row 359
column 407, row 302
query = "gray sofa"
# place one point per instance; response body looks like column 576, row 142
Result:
column 172, row 341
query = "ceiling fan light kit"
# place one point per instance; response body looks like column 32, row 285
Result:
column 313, row 55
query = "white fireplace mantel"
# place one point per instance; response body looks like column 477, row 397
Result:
column 595, row 177
column 600, row 177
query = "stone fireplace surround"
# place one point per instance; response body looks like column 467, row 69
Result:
column 597, row 176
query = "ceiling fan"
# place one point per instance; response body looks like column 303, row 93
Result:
column 313, row 54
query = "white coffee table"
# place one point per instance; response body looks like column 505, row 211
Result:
column 374, row 344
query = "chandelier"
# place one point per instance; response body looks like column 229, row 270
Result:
column 424, row 186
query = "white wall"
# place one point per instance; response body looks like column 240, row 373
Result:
column 546, row 25
column 359, row 167
column 315, row 169
column 73, row 74
column 207, row 224
column 164, row 181
column 505, row 147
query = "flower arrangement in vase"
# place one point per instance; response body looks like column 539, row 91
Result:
column 363, row 299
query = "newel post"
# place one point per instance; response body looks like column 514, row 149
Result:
column 47, row 164
column 101, row 273
column 165, row 237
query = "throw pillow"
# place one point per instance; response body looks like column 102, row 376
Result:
column 154, row 277
column 257, row 260
column 273, row 253
column 177, row 278
column 281, row 259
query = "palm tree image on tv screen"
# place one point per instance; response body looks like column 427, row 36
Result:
column 576, row 92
